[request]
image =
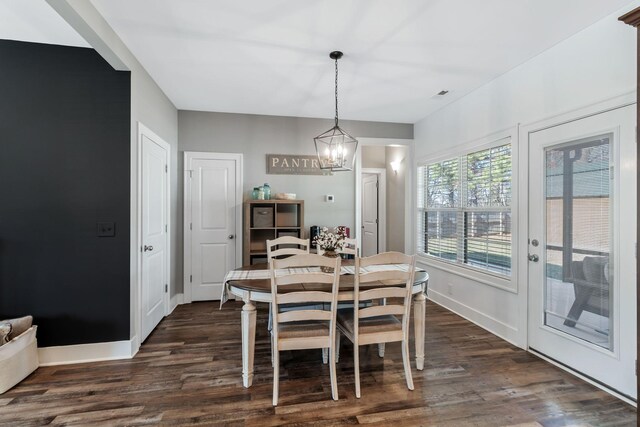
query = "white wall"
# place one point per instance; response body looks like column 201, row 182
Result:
column 149, row 105
column 596, row 64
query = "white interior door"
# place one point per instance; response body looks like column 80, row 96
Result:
column 154, row 228
column 369, row 214
column 582, row 227
column 214, row 202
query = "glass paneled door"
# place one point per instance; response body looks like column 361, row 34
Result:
column 582, row 224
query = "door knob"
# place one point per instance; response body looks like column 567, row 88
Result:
column 148, row 248
column 231, row 236
column 533, row 257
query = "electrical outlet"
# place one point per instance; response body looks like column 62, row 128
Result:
column 449, row 289
column 106, row 229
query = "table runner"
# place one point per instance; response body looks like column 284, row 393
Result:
column 266, row 274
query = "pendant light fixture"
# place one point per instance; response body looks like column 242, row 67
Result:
column 336, row 149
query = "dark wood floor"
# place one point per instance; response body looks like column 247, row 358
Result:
column 189, row 372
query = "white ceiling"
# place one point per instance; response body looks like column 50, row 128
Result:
column 271, row 57
column 35, row 21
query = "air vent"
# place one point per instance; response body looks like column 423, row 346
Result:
column 443, row 92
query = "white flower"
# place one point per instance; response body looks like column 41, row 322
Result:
column 330, row 241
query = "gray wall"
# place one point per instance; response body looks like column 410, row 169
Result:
column 255, row 136
column 373, row 156
column 380, row 157
column 395, row 197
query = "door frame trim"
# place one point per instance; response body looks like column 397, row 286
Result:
column 188, row 156
column 382, row 206
column 143, row 130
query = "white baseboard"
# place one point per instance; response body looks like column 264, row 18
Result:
column 495, row 326
column 83, row 353
column 175, row 301
column 95, row 352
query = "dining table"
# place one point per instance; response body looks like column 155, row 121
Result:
column 253, row 286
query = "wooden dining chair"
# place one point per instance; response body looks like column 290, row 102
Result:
column 379, row 323
column 307, row 328
column 282, row 247
column 286, row 246
column 350, row 247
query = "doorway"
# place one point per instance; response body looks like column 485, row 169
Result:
column 212, row 222
column 395, row 222
column 582, row 220
column 154, row 240
column 374, row 209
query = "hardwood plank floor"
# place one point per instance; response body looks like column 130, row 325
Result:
column 188, row 372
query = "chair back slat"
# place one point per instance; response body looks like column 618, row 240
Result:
column 275, row 253
column 300, row 315
column 294, row 246
column 285, row 277
column 385, row 258
column 381, row 310
column 305, row 260
column 299, row 297
column 397, row 276
column 378, row 293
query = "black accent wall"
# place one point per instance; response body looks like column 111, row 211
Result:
column 64, row 167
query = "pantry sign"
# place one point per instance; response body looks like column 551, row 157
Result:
column 293, row 164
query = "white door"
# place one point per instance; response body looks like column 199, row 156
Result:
column 154, row 227
column 369, row 214
column 582, row 228
column 214, row 202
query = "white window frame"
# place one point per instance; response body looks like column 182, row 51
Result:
column 487, row 277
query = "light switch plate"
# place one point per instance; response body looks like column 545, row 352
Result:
column 106, row 229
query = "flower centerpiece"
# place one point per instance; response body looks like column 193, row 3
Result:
column 330, row 242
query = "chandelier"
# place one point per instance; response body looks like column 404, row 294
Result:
column 336, row 149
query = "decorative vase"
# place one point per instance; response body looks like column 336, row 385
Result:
column 329, row 254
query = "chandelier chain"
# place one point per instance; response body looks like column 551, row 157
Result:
column 336, row 92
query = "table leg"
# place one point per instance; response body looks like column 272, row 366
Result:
column 248, row 341
column 419, row 312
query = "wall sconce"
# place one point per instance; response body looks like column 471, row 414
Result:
column 395, row 166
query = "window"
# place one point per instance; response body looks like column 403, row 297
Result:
column 464, row 209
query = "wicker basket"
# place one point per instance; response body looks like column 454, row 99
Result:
column 18, row 358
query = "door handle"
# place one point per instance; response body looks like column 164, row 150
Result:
column 148, row 248
column 231, row 236
column 533, row 257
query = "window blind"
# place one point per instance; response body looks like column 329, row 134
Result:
column 464, row 209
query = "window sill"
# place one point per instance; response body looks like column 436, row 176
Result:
column 486, row 278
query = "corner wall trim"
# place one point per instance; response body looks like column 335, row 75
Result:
column 486, row 322
column 175, row 301
column 83, row 353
